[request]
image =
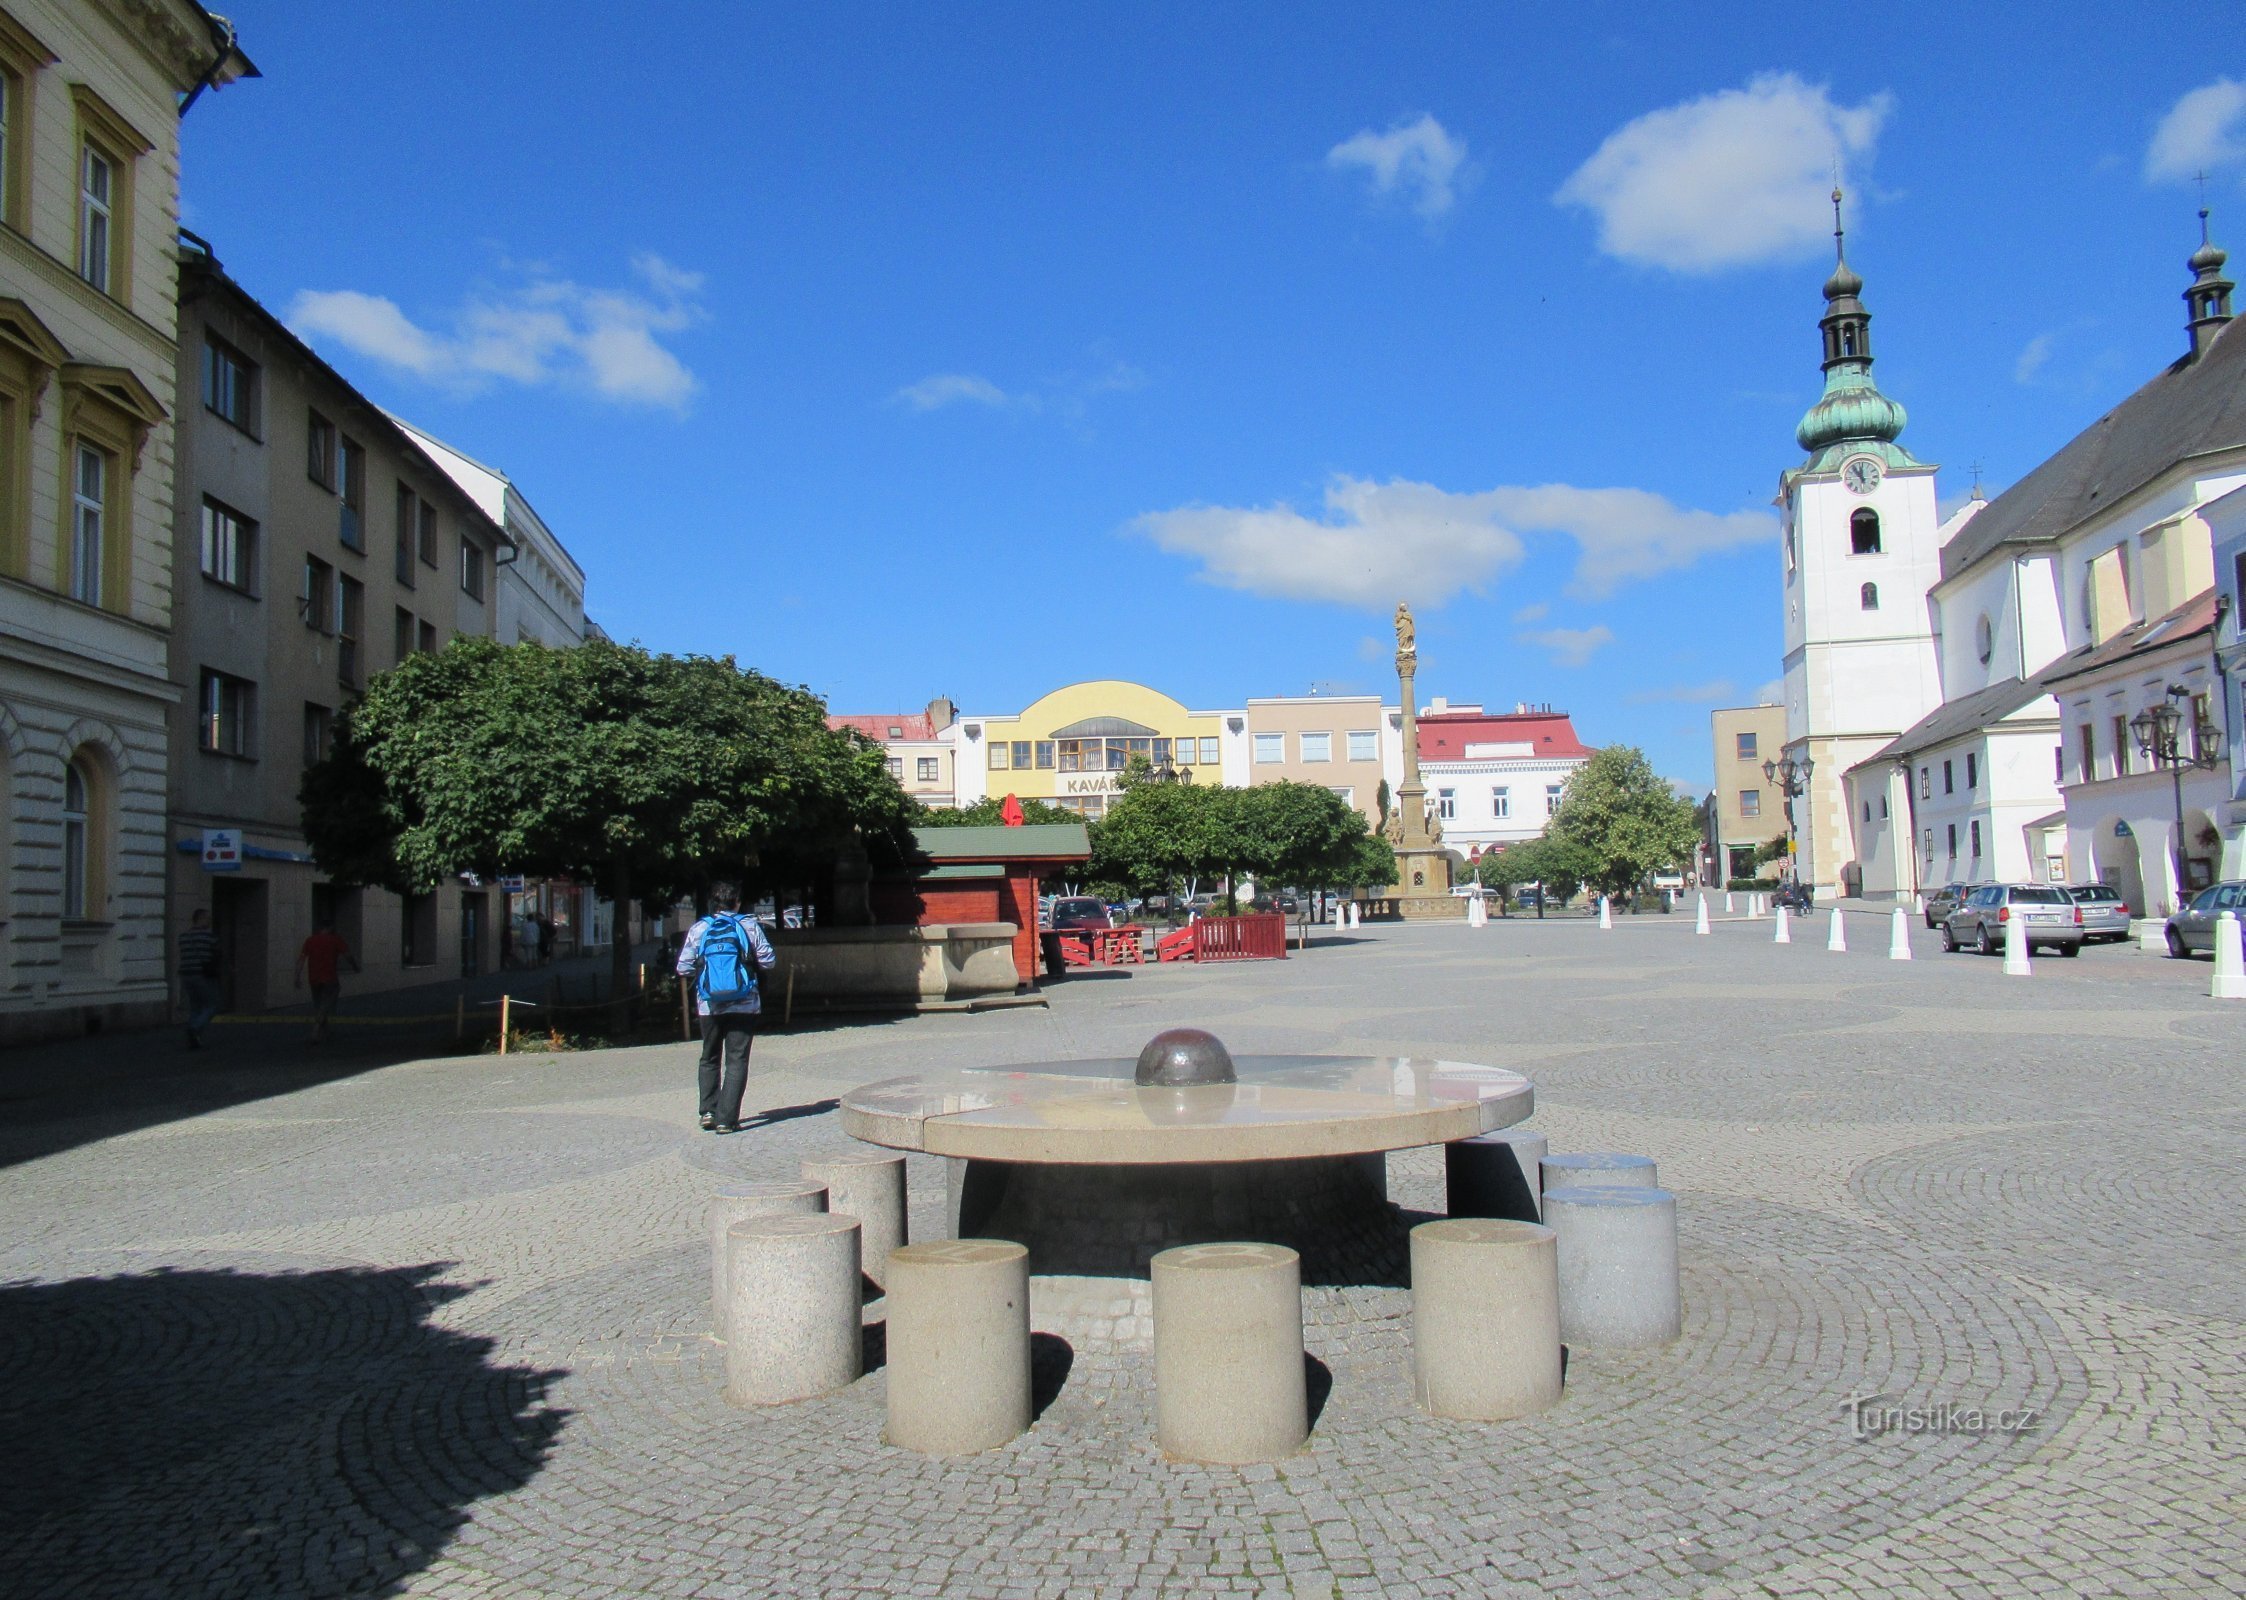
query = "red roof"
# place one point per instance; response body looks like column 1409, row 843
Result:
column 882, row 728
column 1444, row 737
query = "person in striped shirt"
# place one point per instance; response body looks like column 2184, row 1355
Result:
column 198, row 975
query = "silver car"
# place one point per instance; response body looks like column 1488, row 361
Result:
column 2192, row 929
column 2105, row 915
column 2051, row 918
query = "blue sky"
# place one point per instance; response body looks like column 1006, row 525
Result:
column 903, row 351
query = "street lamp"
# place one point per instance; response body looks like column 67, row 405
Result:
column 1166, row 772
column 1792, row 778
column 2159, row 733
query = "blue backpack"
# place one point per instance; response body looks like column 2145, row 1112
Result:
column 726, row 974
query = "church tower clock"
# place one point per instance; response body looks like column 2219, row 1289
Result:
column 1861, row 549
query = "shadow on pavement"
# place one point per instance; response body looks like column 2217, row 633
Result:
column 209, row 1433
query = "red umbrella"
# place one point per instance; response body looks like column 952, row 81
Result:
column 1011, row 813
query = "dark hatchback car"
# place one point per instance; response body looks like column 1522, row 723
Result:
column 1079, row 911
column 1945, row 900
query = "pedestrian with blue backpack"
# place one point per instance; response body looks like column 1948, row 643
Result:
column 722, row 954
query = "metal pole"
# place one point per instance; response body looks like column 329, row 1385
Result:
column 506, row 1005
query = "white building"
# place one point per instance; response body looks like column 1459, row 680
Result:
column 1495, row 780
column 541, row 590
column 1861, row 547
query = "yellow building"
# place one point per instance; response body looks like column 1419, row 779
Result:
column 1068, row 749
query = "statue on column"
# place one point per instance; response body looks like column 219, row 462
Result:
column 1407, row 635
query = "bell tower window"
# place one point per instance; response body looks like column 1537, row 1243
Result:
column 1868, row 597
column 1863, row 532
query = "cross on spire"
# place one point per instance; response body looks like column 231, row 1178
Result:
column 1839, row 252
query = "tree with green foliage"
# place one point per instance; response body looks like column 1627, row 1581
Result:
column 1280, row 833
column 1619, row 822
column 648, row 776
column 988, row 812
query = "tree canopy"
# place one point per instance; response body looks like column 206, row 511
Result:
column 648, row 776
column 1278, row 833
column 988, row 812
column 1618, row 823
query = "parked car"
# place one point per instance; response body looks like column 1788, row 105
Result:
column 2192, row 929
column 1945, row 900
column 2105, row 915
column 1078, row 911
column 2052, row 919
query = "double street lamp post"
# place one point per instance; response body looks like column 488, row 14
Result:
column 1792, row 778
column 2159, row 730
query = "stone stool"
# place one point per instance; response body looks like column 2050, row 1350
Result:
column 737, row 1202
column 1603, row 1169
column 958, row 1345
column 1618, row 1265
column 1228, row 1371
column 1485, row 1318
column 1494, row 1175
column 796, row 1328
column 868, row 1184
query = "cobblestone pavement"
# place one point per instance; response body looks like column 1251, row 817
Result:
column 439, row 1328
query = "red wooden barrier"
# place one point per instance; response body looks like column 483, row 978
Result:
column 1250, row 938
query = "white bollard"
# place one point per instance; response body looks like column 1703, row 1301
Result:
column 2152, row 938
column 1606, row 914
column 1781, row 936
column 1727, row 902
column 1918, row 905
column 1700, row 917
column 2016, row 947
column 1477, row 914
column 2230, row 960
column 1356, row 915
column 1836, row 937
column 1898, row 937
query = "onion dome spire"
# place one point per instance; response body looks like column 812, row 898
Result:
column 1852, row 411
column 2208, row 298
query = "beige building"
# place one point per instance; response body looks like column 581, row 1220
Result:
column 1346, row 743
column 918, row 747
column 91, row 94
column 1750, row 809
column 318, row 543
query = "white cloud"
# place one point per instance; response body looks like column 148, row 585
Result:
column 1418, row 160
column 1381, row 541
column 547, row 330
column 2204, row 131
column 1572, row 647
column 942, row 389
column 1731, row 179
column 2032, row 356
column 1688, row 694
column 1534, row 611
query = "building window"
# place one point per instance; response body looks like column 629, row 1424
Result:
column 408, row 519
column 1883, row 808
column 924, row 767
column 1972, row 770
column 1271, row 748
column 1208, row 752
column 1867, row 598
column 471, row 569
column 1750, row 802
column 1930, row 847
column 11, row 140
column 1021, row 754
column 1863, row 532
column 1501, row 803
column 227, row 703
column 350, row 490
column 2202, row 730
column 97, row 199
column 319, row 725
column 998, row 749
column 1346, row 796
column 1949, row 777
column 401, row 634
column 89, row 518
column 895, row 766
column 1552, row 793
column 1364, row 744
column 229, row 384
column 2120, row 745
column 1925, row 783
column 229, row 547
column 1045, row 754
column 1976, row 838
column 1446, row 804
column 316, row 600
column 1747, row 746
column 77, row 838
column 1317, row 747
column 428, row 535
column 1867, row 811
column 1952, row 827
column 350, row 627
column 2089, row 752
column 1162, row 749
column 1984, row 639
column 319, row 450
column 428, row 641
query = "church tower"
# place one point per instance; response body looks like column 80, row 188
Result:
column 1861, row 550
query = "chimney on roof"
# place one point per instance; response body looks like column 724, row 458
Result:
column 941, row 713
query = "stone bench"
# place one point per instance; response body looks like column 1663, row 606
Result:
column 795, row 1324
column 1618, row 1264
column 1229, row 1382
column 867, row 1183
column 1485, row 1318
column 1495, row 1175
column 1604, row 1169
column 958, row 1341
column 737, row 1202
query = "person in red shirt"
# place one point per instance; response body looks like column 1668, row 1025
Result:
column 320, row 959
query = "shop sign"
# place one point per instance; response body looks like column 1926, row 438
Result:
column 222, row 849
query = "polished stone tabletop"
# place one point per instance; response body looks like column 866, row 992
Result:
column 1091, row 1112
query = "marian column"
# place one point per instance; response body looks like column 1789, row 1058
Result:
column 1423, row 867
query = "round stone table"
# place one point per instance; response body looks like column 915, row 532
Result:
column 1096, row 1173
